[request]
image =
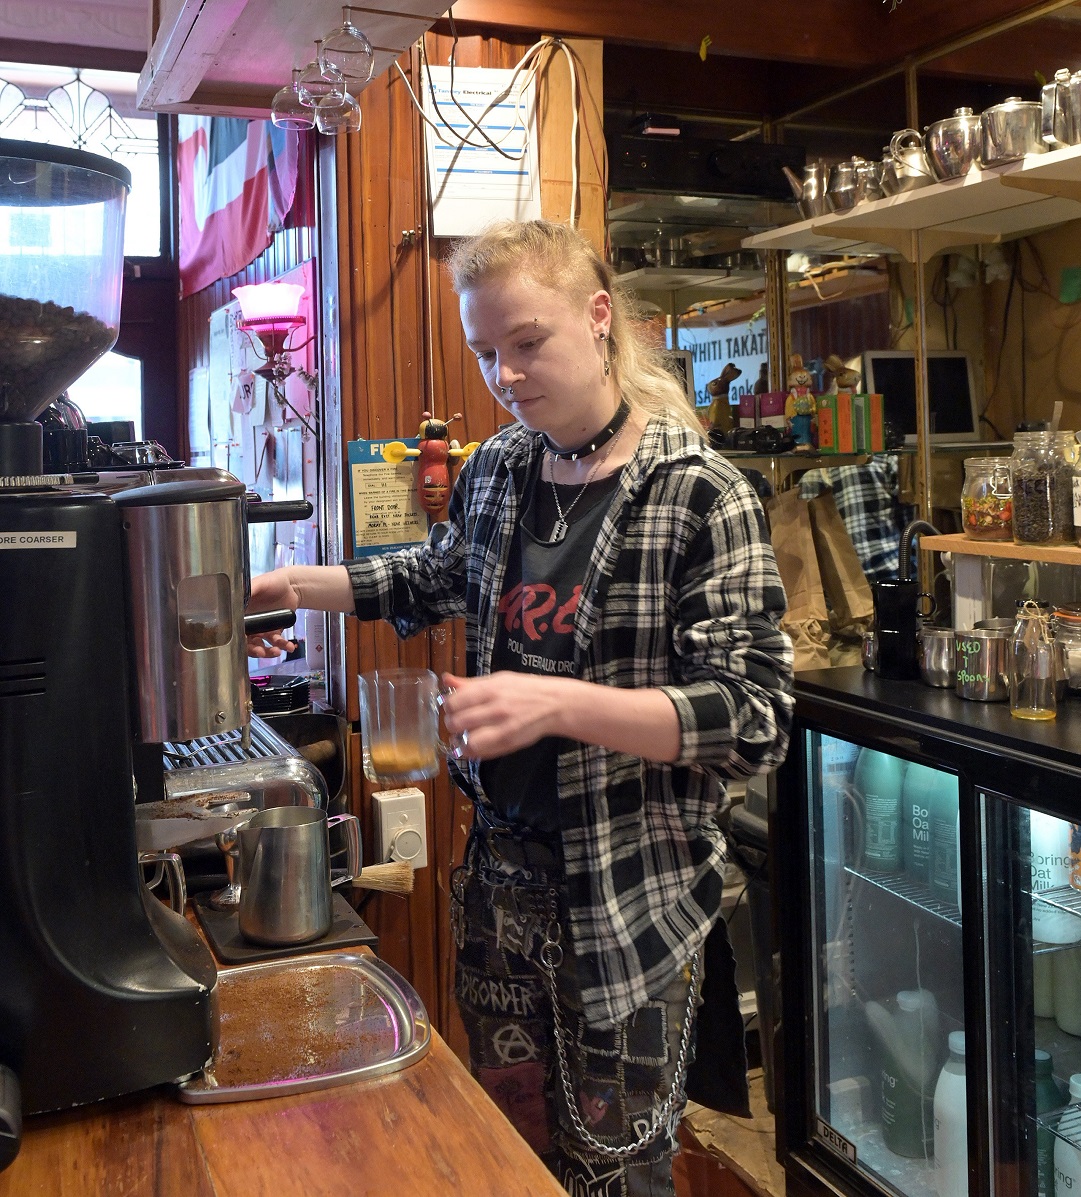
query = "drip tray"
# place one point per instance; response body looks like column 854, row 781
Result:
column 222, row 929
column 289, row 1026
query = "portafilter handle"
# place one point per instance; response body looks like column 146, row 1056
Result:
column 268, row 621
column 258, row 511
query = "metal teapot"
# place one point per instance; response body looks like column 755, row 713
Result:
column 842, row 190
column 1060, row 109
column 868, row 180
column 810, row 191
column 911, row 166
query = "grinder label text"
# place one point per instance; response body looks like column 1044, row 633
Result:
column 37, row 540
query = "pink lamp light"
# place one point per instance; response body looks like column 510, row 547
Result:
column 269, row 301
column 270, row 311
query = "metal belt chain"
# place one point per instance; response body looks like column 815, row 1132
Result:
column 551, row 957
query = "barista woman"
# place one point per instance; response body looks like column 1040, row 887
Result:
column 624, row 657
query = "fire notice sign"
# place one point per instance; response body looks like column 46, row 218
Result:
column 387, row 513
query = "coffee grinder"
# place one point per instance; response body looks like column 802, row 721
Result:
column 123, row 625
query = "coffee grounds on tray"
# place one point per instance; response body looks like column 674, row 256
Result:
column 290, row 1024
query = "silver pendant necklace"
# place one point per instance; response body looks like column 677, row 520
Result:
column 561, row 526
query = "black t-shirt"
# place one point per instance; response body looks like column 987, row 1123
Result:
column 535, row 634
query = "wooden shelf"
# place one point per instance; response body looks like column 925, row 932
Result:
column 229, row 57
column 726, row 282
column 984, row 206
column 1058, row 554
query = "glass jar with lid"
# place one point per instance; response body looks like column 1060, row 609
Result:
column 1068, row 648
column 987, row 499
column 1041, row 470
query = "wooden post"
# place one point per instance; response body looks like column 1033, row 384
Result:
column 555, row 117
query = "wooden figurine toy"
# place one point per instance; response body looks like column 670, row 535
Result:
column 433, row 452
column 720, row 410
column 799, row 408
column 844, row 379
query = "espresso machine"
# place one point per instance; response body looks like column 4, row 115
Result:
column 122, row 603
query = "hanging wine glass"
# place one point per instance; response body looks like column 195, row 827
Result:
column 337, row 114
column 288, row 110
column 347, row 49
column 318, row 80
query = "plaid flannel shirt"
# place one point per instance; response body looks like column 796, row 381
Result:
column 682, row 593
column 866, row 498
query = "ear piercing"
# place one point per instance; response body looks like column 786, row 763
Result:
column 603, row 338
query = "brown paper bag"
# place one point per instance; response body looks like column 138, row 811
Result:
column 807, row 620
column 845, row 585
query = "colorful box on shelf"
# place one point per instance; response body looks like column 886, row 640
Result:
column 835, row 423
column 868, row 424
column 765, row 410
column 850, row 423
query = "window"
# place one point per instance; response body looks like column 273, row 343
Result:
column 93, row 111
column 112, row 389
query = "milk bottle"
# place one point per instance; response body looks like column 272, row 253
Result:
column 1050, row 864
column 916, row 821
column 951, row 1122
column 908, row 1039
column 1048, row 1097
column 878, row 779
column 1067, row 1156
column 1043, row 984
column 945, row 842
column 1066, row 989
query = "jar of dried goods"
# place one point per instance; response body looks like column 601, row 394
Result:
column 987, row 499
column 1042, row 479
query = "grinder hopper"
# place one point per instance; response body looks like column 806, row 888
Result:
column 61, row 270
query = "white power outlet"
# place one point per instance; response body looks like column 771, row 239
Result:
column 400, row 831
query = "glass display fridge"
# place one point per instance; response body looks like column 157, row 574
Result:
column 926, row 873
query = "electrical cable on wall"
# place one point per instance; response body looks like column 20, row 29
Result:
column 530, row 63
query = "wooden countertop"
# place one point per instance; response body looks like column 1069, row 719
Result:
column 427, row 1131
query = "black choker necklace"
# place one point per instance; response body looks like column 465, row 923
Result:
column 602, row 438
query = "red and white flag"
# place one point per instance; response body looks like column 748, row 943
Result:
column 229, row 207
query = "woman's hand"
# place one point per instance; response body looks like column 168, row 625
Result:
column 271, row 591
column 501, row 712
column 505, row 711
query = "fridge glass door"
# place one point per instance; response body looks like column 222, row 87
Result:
column 889, row 1085
column 1049, row 851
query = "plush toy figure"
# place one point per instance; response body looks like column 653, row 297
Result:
column 720, row 410
column 799, row 408
column 844, row 379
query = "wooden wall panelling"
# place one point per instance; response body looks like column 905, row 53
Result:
column 383, row 384
column 402, row 352
column 556, row 121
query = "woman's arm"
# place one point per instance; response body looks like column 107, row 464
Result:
column 505, row 711
column 311, row 587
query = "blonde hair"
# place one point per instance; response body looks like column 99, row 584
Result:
column 563, row 260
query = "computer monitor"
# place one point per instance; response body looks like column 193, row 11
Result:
column 951, row 393
column 681, row 363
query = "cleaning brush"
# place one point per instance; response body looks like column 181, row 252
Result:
column 394, row 877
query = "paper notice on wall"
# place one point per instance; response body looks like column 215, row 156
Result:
column 386, row 510
column 482, row 151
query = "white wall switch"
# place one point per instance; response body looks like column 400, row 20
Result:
column 400, row 829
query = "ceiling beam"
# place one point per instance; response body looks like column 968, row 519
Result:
column 851, row 35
